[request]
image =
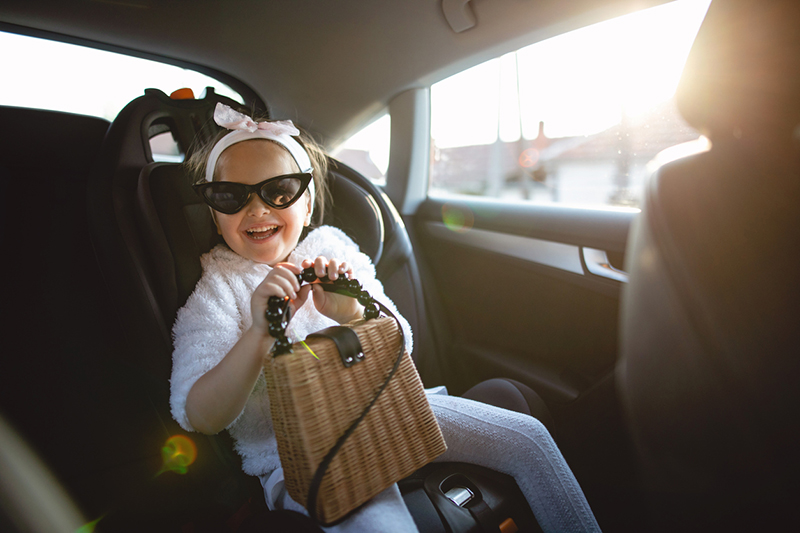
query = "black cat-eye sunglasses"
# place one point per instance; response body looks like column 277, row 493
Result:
column 230, row 197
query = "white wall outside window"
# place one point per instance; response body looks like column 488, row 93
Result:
column 367, row 150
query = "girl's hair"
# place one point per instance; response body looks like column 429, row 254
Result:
column 195, row 165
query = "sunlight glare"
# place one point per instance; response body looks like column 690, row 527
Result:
column 578, row 83
column 76, row 79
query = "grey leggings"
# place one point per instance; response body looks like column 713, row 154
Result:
column 481, row 434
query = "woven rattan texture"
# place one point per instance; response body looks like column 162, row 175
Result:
column 313, row 402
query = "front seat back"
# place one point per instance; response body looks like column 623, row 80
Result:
column 710, row 331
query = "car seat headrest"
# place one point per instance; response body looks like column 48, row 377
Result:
column 154, row 113
column 743, row 72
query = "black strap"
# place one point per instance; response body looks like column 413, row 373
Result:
column 347, row 343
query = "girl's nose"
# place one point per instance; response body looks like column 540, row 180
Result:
column 256, row 206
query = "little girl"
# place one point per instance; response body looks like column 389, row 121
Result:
column 263, row 182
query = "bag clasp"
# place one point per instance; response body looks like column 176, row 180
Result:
column 346, row 341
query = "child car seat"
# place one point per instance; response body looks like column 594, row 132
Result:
column 158, row 227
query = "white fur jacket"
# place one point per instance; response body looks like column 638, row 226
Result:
column 218, row 312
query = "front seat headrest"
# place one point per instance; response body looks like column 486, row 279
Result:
column 744, row 69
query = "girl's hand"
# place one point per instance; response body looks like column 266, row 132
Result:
column 281, row 282
column 335, row 306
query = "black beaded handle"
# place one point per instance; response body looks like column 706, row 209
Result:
column 278, row 313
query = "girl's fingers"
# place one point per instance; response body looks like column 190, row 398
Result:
column 279, row 287
column 288, row 268
column 347, row 270
column 289, row 278
column 333, row 269
column 282, row 281
column 320, row 264
column 289, row 285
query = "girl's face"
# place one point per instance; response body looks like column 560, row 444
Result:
column 260, row 232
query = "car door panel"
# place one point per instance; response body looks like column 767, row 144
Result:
column 517, row 298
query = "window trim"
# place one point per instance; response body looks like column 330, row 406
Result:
column 409, row 152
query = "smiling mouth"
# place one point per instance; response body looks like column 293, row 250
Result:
column 262, row 232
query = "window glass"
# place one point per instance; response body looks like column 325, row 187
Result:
column 367, row 151
column 164, row 147
column 64, row 77
column 578, row 119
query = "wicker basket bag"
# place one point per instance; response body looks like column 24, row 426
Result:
column 349, row 411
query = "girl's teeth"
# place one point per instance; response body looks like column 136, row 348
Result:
column 262, row 232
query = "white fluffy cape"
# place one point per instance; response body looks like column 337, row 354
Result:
column 218, row 313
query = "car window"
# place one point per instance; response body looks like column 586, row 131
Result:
column 367, row 150
column 66, row 77
column 577, row 119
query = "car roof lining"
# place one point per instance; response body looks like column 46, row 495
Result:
column 399, row 45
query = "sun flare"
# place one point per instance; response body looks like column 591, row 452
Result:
column 578, row 83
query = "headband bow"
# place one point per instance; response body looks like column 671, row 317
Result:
column 244, row 128
column 231, row 119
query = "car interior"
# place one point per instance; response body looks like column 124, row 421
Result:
column 664, row 367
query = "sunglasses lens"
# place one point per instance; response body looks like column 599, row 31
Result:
column 226, row 197
column 282, row 192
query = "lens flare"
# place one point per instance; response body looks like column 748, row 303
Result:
column 457, row 218
column 529, row 158
column 309, row 349
column 89, row 527
column 178, row 453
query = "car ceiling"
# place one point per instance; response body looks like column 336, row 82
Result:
column 331, row 65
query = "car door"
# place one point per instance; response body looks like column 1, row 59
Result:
column 521, row 237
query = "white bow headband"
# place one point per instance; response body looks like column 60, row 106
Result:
column 245, row 128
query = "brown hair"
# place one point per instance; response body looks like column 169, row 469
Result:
column 195, row 165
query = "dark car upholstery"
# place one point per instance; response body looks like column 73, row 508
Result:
column 709, row 331
column 70, row 382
